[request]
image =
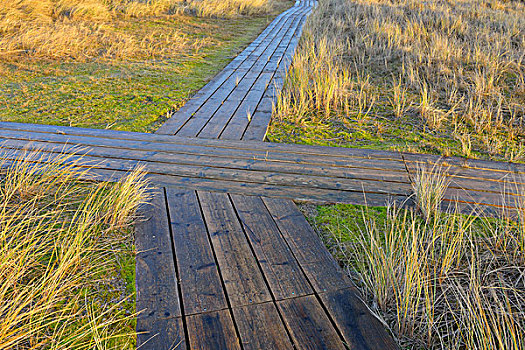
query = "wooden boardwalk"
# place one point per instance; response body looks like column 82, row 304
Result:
column 225, row 258
column 310, row 173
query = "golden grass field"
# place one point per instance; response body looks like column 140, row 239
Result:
column 445, row 77
column 82, row 29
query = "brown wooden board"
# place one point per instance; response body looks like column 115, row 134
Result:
column 212, row 330
column 299, row 150
column 317, row 263
column 360, row 329
column 157, row 299
column 238, row 122
column 357, row 184
column 309, row 325
column 260, row 327
column 161, row 334
column 466, row 173
column 198, row 121
column 242, row 277
column 107, row 170
column 358, row 171
column 465, row 163
column 198, row 272
column 218, row 119
column 258, row 127
column 227, row 108
column 177, row 153
column 280, row 268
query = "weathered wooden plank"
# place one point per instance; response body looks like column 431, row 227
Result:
column 465, row 163
column 222, row 144
column 236, row 126
column 198, row 272
column 360, row 329
column 317, row 263
column 157, row 299
column 282, row 271
column 167, row 153
column 245, row 175
column 203, row 115
column 212, row 330
column 309, row 325
column 197, row 121
column 242, row 277
column 482, row 198
column 301, row 194
column 260, row 327
column 359, row 171
column 220, row 118
column 249, row 188
column 258, row 127
column 161, row 334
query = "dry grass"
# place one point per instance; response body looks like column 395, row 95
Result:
column 80, row 29
column 451, row 72
column 429, row 186
column 440, row 281
column 61, row 242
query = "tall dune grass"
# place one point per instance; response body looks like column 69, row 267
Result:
column 451, row 72
column 440, row 280
column 82, row 29
column 62, row 241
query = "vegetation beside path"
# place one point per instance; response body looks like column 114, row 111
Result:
column 117, row 64
column 67, row 260
column 440, row 77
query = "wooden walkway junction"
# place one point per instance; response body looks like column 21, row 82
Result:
column 309, row 173
column 225, row 258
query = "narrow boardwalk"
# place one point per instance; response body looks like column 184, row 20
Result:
column 225, row 258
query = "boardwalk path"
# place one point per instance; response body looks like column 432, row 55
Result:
column 226, row 260
column 252, row 272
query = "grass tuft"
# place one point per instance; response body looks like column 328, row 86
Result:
column 64, row 242
column 429, row 186
column 438, row 280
